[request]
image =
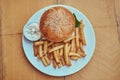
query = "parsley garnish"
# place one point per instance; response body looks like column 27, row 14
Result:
column 77, row 23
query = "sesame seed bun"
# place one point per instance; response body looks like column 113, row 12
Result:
column 57, row 24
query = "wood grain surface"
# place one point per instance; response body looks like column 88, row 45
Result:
column 117, row 10
column 1, row 59
column 105, row 18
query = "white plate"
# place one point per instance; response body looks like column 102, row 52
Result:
column 76, row 65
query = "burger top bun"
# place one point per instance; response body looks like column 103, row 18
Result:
column 57, row 24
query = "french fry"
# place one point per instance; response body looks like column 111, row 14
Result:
column 58, row 54
column 40, row 51
column 74, row 54
column 81, row 28
column 47, row 60
column 62, row 61
column 59, row 57
column 68, row 49
column 67, row 61
column 35, row 50
column 45, row 47
column 81, row 47
column 44, row 61
column 51, row 43
column 61, row 52
column 74, row 57
column 56, row 48
column 83, row 40
column 54, row 64
column 37, row 43
column 70, row 38
column 73, row 47
column 82, row 54
column 77, row 37
column 56, row 57
column 48, row 48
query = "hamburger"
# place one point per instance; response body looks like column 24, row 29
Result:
column 57, row 24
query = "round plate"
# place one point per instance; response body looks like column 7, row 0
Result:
column 76, row 65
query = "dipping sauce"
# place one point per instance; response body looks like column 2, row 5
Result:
column 32, row 32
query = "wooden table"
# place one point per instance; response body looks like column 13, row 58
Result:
column 105, row 18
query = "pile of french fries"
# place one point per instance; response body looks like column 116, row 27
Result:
column 60, row 54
